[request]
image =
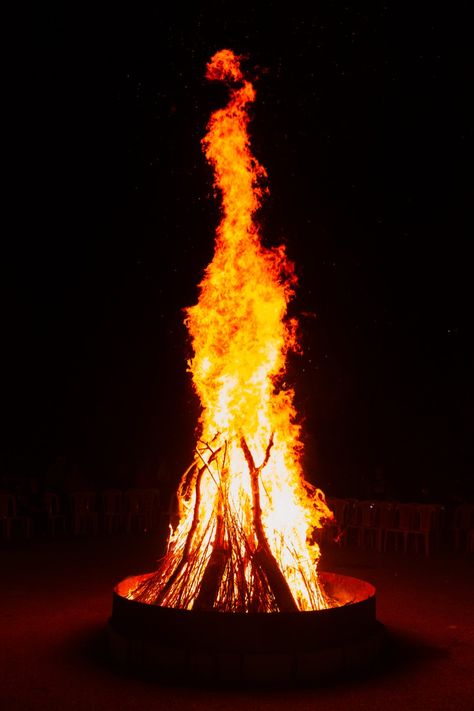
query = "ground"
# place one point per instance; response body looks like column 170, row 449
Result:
column 56, row 598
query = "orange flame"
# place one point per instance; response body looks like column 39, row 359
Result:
column 246, row 496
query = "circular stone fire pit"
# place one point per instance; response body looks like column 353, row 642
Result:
column 184, row 646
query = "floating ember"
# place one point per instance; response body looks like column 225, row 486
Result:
column 245, row 541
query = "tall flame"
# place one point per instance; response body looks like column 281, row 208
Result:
column 247, row 517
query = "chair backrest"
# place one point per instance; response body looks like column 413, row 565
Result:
column 84, row 502
column 464, row 517
column 426, row 516
column 51, row 502
column 387, row 514
column 7, row 505
column 354, row 513
column 136, row 500
column 406, row 515
column 112, row 499
column 340, row 509
column 368, row 513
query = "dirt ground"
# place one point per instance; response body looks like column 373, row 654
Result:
column 55, row 599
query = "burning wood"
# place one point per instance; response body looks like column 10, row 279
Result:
column 242, row 543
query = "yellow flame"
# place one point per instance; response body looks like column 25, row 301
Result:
column 240, row 337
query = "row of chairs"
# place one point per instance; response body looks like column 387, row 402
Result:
column 382, row 525
column 11, row 522
column 83, row 512
column 135, row 510
column 386, row 525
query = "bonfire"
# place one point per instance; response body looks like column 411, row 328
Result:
column 246, row 536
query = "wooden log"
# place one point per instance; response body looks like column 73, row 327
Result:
column 212, row 577
column 264, row 556
column 211, row 580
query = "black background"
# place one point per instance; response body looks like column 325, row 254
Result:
column 362, row 121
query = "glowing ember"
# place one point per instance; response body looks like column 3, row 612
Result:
column 244, row 541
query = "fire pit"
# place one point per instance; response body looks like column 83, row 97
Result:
column 237, row 595
column 183, row 646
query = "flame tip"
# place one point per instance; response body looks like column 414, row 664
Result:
column 224, row 65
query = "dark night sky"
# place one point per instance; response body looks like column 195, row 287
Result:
column 362, row 121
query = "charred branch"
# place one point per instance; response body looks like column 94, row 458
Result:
column 214, row 571
column 263, row 555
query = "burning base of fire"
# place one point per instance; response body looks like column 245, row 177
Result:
column 196, row 647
